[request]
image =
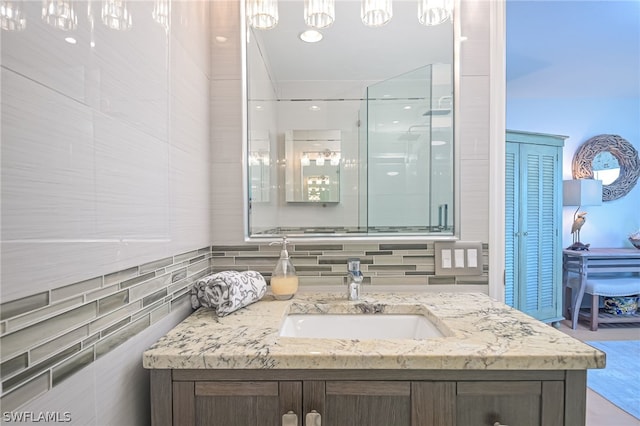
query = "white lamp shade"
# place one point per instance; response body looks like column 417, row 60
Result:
column 582, row 192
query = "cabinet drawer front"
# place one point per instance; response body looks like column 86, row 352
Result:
column 485, row 410
column 236, row 388
column 370, row 388
column 499, row 388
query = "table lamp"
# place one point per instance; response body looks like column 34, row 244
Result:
column 580, row 192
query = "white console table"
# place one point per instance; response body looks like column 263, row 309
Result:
column 595, row 261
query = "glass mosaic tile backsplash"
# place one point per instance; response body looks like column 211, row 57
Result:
column 47, row 337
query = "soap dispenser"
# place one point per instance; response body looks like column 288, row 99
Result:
column 284, row 281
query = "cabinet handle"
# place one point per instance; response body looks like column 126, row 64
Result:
column 313, row 419
column 290, row 419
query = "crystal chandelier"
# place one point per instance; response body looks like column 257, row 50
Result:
column 12, row 16
column 59, row 14
column 161, row 12
column 376, row 13
column 115, row 14
column 434, row 12
column 262, row 14
column 319, row 13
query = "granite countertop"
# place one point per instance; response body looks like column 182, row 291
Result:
column 480, row 334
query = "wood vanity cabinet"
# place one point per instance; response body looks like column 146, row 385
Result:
column 368, row 397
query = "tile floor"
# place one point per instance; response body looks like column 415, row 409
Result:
column 601, row 412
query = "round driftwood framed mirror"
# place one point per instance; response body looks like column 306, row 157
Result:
column 609, row 155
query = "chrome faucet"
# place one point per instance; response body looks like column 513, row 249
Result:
column 354, row 278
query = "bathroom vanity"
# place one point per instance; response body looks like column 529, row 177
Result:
column 481, row 363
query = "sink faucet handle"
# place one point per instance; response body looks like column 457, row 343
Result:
column 354, row 278
column 353, row 264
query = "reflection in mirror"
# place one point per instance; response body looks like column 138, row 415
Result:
column 386, row 91
column 259, row 161
column 605, row 168
column 410, row 163
column 313, row 166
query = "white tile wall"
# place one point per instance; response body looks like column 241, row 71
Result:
column 227, row 224
column 106, row 163
column 114, row 390
column 187, row 19
column 474, row 199
column 47, row 163
column 473, row 118
column 473, row 121
column 475, row 23
column 105, row 149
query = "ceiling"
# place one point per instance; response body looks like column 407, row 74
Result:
column 573, row 48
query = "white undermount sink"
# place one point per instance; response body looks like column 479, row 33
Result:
column 359, row 326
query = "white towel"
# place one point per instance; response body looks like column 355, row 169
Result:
column 228, row 291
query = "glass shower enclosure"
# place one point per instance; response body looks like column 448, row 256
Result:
column 406, row 143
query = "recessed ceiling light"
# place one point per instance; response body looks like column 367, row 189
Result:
column 70, row 40
column 259, row 107
column 221, row 39
column 438, row 143
column 392, row 173
column 310, row 36
column 407, row 107
column 395, row 121
column 314, row 108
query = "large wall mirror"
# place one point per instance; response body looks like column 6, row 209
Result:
column 376, row 108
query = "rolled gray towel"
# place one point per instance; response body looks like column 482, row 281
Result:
column 228, row 291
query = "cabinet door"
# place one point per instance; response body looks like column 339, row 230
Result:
column 532, row 229
column 530, row 403
column 512, row 209
column 433, row 403
column 363, row 403
column 540, row 248
column 235, row 403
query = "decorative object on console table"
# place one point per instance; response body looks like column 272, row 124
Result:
column 580, row 192
column 634, row 239
column 621, row 305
